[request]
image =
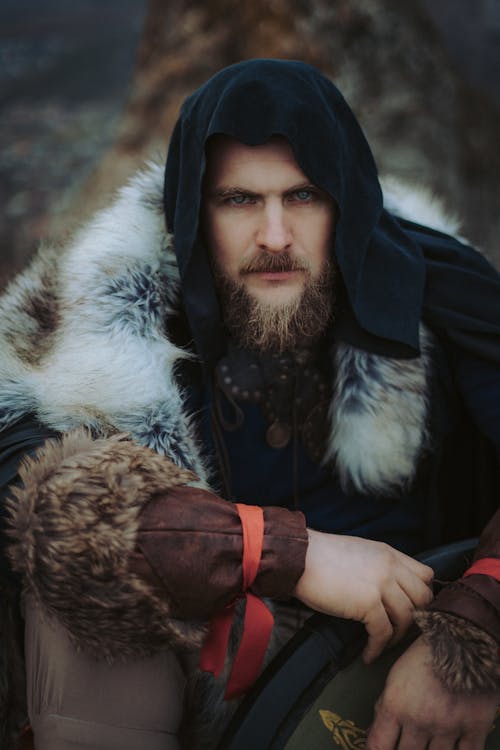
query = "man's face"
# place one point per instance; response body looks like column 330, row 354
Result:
column 269, row 231
column 258, row 202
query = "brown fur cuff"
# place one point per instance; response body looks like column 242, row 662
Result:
column 464, row 657
column 74, row 522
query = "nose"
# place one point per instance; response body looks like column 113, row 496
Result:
column 274, row 233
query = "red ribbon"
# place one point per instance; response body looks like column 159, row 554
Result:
column 258, row 622
column 487, row 566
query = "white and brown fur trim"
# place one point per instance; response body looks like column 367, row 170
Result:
column 420, row 205
column 73, row 523
column 464, row 657
column 379, row 416
column 82, row 332
column 83, row 343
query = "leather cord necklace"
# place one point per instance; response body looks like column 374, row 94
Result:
column 293, row 391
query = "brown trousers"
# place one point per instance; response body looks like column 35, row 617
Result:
column 77, row 703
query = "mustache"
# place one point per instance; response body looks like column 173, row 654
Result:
column 267, row 262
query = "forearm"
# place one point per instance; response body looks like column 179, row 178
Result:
column 361, row 579
column 112, row 540
column 462, row 624
column 192, row 538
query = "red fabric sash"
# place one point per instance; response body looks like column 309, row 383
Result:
column 258, row 622
column 487, row 566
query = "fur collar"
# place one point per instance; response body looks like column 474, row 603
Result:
column 82, row 343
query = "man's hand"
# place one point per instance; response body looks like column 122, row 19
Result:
column 363, row 580
column 418, row 711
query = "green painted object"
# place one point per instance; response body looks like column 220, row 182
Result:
column 341, row 715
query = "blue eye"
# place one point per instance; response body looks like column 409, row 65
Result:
column 239, row 199
column 303, row 195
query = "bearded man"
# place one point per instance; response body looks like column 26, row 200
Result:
column 327, row 368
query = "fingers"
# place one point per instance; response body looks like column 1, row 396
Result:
column 424, row 572
column 399, row 609
column 414, row 738
column 429, row 717
column 414, row 587
column 445, row 743
column 387, row 621
column 384, row 733
column 452, row 742
column 477, row 742
column 380, row 631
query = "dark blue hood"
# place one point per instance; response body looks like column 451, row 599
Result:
column 394, row 273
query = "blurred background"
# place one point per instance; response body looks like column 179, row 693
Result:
column 90, row 89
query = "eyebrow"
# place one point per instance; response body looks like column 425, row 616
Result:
column 225, row 191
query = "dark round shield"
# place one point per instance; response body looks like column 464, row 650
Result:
column 317, row 693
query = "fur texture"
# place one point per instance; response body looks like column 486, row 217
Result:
column 464, row 657
column 379, row 418
column 83, row 333
column 82, row 342
column 419, row 205
column 74, row 522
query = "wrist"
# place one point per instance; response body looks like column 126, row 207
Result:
column 464, row 657
column 284, row 552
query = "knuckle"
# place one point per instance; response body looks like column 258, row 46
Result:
column 399, row 630
column 381, row 635
column 427, row 597
column 428, row 573
column 389, row 707
column 377, row 739
column 387, row 555
column 373, row 599
column 404, row 614
column 442, row 726
column 386, row 633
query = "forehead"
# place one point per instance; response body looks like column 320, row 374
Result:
column 231, row 163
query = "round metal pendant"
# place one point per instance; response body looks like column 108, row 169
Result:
column 278, row 434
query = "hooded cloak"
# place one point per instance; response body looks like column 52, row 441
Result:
column 395, row 273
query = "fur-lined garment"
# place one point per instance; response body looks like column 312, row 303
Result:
column 83, row 345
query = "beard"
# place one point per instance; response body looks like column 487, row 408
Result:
column 297, row 324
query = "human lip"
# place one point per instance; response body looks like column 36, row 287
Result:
column 274, row 275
